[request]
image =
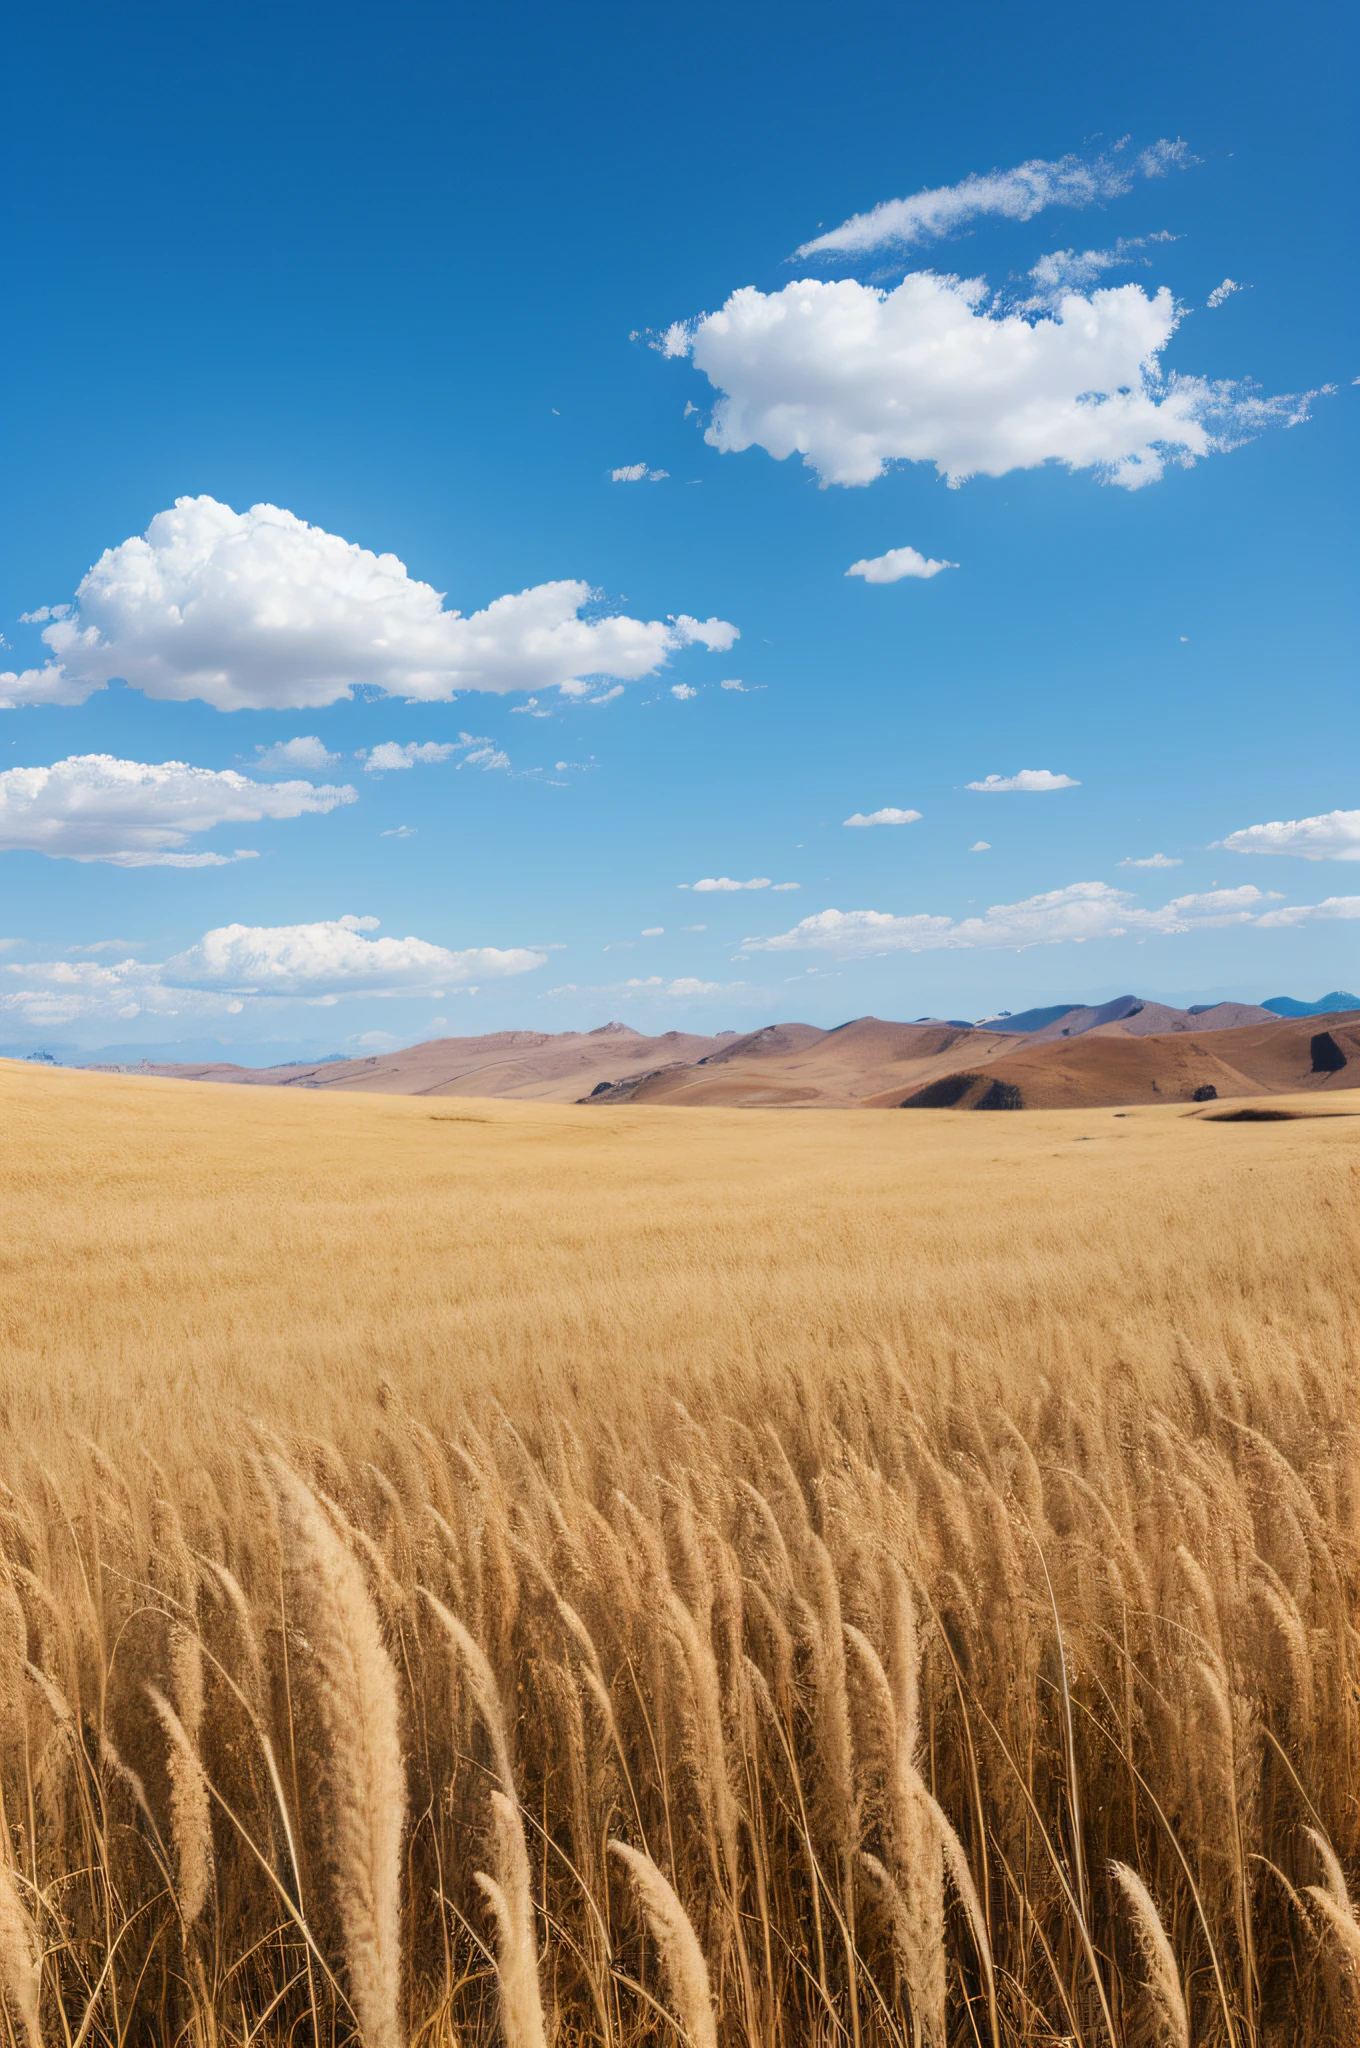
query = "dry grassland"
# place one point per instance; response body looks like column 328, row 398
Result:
column 485, row 1573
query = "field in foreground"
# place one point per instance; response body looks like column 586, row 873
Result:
column 480, row 1572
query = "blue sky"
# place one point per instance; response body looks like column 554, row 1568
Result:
column 424, row 280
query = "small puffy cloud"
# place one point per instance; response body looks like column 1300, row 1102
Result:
column 653, row 931
column 258, row 610
column 1154, row 860
column 1016, row 194
column 45, row 614
column 132, row 814
column 854, row 378
column 884, row 817
column 897, row 563
column 256, row 965
column 786, row 885
column 485, row 758
column 1027, row 779
column 400, row 832
column 725, row 882
column 1083, row 911
column 981, row 846
column 1220, row 906
column 307, row 754
column 1223, row 291
column 389, row 755
column 1335, row 835
column 638, row 473
column 683, row 692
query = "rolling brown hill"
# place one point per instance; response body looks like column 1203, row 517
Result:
column 795, row 1066
column 526, row 1066
column 1110, row 1066
column 1121, row 1052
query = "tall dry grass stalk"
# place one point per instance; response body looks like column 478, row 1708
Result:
column 354, row 1691
column 927, row 1550
column 1171, row 2022
column 190, row 1813
column 509, row 1892
column 511, row 1900
column 20, row 1961
column 682, row 1959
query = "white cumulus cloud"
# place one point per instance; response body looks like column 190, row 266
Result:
column 725, row 882
column 1154, row 860
column 307, row 753
column 1223, row 291
column 238, row 966
column 336, row 957
column 258, row 610
column 1335, row 835
column 1016, row 194
column 93, row 807
column 853, row 378
column 981, row 846
column 1080, row 912
column 887, row 816
column 683, row 692
column 638, row 473
column 897, row 563
column 1028, row 779
column 1346, row 907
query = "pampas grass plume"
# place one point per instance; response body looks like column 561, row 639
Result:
column 20, row 1959
column 1163, row 1978
column 511, row 1902
column 681, row 1956
column 356, row 1698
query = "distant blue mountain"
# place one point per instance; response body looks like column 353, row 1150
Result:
column 1290, row 1006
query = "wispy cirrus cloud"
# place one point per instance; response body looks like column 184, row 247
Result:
column 1076, row 270
column 887, row 816
column 725, row 884
column 1017, row 194
column 1033, row 780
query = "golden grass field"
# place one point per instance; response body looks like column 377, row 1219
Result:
column 491, row 1573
